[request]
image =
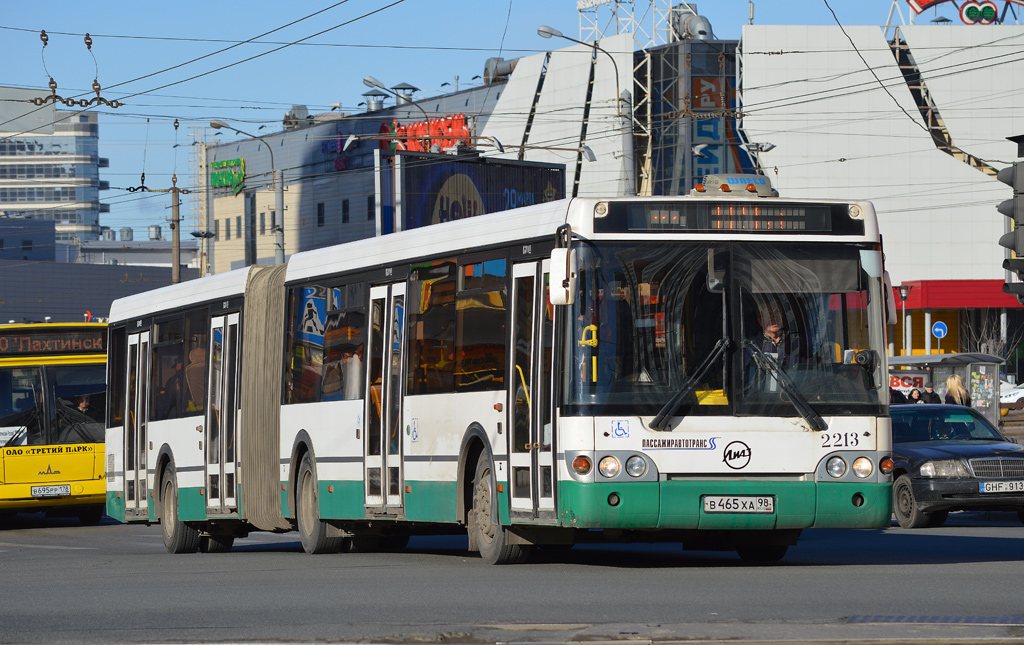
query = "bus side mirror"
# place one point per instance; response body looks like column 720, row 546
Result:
column 563, row 276
column 890, row 300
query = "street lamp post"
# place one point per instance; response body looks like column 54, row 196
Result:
column 277, row 183
column 904, row 290
column 547, row 32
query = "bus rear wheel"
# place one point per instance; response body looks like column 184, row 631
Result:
column 491, row 538
column 179, row 537
column 312, row 530
column 216, row 543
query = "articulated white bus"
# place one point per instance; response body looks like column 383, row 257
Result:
column 706, row 369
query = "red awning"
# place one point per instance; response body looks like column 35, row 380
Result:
column 956, row 294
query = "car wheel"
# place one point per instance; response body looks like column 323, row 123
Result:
column 904, row 506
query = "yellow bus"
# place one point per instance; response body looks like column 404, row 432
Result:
column 52, row 406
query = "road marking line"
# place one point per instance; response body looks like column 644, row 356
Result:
column 56, row 548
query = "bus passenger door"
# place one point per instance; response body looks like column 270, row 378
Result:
column 136, row 489
column 531, row 475
column 382, row 455
column 222, row 415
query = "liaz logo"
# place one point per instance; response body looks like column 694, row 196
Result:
column 48, row 471
column 737, row 455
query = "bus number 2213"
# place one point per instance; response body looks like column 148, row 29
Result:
column 839, row 440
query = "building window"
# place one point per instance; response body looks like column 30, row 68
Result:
column 369, row 207
column 227, row 228
column 320, row 217
column 263, row 223
column 273, row 221
column 344, row 211
column 238, row 226
column 216, row 229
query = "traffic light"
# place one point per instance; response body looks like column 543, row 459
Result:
column 1014, row 240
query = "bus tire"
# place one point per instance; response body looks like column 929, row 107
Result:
column 179, row 537
column 216, row 543
column 312, row 530
column 490, row 536
column 91, row 516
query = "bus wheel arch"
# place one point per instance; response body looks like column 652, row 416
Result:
column 300, row 446
column 164, row 459
column 179, row 536
column 475, row 445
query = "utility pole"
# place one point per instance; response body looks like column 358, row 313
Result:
column 175, row 220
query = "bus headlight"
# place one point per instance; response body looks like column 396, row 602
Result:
column 582, row 465
column 636, row 466
column 609, row 466
column 862, row 467
column 836, row 467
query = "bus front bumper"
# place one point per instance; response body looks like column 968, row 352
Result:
column 679, row 504
column 19, row 496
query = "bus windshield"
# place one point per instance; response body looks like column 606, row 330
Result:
column 798, row 323
column 52, row 405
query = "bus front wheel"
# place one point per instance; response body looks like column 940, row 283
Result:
column 179, row 537
column 491, row 538
column 312, row 530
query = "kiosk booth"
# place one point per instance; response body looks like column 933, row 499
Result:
column 980, row 374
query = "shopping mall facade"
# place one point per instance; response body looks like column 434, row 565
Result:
column 914, row 119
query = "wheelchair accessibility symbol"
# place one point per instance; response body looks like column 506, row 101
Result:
column 620, row 428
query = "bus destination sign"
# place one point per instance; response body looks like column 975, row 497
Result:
column 44, row 341
column 728, row 217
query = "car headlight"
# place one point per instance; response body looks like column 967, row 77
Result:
column 836, row 467
column 609, row 466
column 944, row 468
column 636, row 466
column 862, row 467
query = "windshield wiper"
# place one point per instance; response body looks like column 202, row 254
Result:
column 669, row 409
column 16, row 436
column 769, row 364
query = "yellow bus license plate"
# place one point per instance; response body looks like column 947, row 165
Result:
column 60, row 490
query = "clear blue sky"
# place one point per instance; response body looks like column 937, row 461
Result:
column 414, row 41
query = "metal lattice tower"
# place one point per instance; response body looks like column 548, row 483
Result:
column 197, row 178
column 647, row 20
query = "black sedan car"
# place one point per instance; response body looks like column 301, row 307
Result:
column 950, row 458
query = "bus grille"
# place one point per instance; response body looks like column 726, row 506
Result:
column 998, row 467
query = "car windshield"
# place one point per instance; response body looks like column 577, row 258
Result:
column 665, row 326
column 939, row 424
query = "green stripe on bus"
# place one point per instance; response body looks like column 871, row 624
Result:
column 346, row 502
column 191, row 504
column 431, row 501
column 837, row 506
column 115, row 506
